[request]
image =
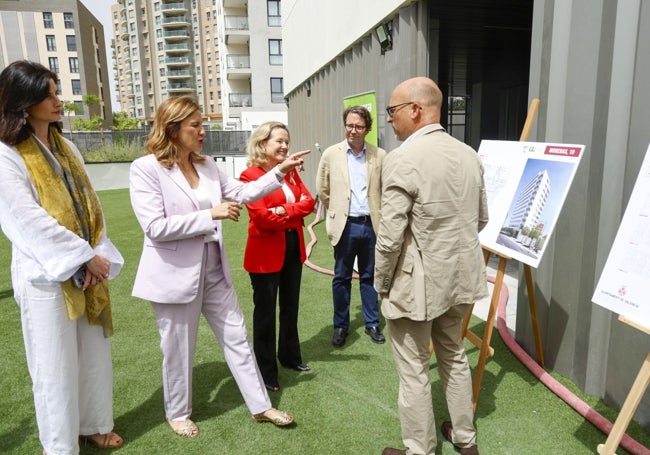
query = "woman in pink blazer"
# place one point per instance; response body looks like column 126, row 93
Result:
column 177, row 194
column 275, row 251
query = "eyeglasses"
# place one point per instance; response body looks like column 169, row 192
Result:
column 390, row 110
column 355, row 127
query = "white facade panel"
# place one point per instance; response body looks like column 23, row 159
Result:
column 316, row 32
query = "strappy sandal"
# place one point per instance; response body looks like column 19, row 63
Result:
column 102, row 441
column 185, row 428
column 276, row 417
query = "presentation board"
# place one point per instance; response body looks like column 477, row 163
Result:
column 625, row 281
column 526, row 184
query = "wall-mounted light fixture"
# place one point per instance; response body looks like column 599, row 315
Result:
column 384, row 36
column 308, row 88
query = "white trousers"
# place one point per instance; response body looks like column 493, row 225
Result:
column 178, row 326
column 70, row 366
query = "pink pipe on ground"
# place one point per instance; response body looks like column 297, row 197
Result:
column 593, row 416
column 551, row 383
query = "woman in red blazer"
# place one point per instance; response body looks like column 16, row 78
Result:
column 275, row 251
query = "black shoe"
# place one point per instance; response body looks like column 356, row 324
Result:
column 302, row 367
column 375, row 335
column 338, row 339
column 272, row 387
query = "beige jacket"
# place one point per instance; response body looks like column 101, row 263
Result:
column 428, row 255
column 333, row 186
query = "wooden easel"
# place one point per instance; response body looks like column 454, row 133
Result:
column 484, row 343
column 631, row 402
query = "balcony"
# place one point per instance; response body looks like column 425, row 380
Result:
column 235, row 23
column 240, row 100
column 238, row 61
column 239, row 66
column 179, row 74
column 173, row 7
column 180, row 87
column 178, row 61
column 236, row 29
column 180, row 48
column 176, row 35
column 234, row 3
column 175, row 21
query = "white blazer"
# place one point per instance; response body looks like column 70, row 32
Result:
column 174, row 226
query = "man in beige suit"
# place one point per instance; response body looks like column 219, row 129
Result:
column 349, row 184
column 429, row 266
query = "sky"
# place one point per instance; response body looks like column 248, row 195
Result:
column 101, row 9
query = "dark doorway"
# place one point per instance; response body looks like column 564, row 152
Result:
column 480, row 55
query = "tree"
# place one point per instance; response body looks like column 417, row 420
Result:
column 71, row 107
column 122, row 121
column 95, row 121
column 90, row 101
column 93, row 124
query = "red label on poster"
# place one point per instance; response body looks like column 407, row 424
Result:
column 562, row 151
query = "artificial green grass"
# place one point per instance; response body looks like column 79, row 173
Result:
column 347, row 404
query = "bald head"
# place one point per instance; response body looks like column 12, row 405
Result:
column 421, row 99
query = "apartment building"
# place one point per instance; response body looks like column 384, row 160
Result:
column 227, row 54
column 527, row 209
column 65, row 37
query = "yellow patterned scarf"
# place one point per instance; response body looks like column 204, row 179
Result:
column 73, row 203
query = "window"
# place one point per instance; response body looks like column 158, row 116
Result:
column 74, row 64
column 50, row 41
column 277, row 90
column 76, row 87
column 48, row 22
column 54, row 64
column 80, row 106
column 273, row 13
column 275, row 52
column 68, row 20
column 71, row 42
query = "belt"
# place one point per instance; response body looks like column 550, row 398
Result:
column 359, row 219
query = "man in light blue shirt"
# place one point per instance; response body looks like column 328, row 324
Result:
column 349, row 186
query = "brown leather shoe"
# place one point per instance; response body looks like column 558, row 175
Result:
column 445, row 429
column 391, row 451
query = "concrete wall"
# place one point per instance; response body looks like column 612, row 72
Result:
column 316, row 118
column 590, row 65
column 313, row 23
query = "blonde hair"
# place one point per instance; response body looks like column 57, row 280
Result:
column 255, row 148
column 164, row 133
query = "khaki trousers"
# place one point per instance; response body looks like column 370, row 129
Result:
column 410, row 344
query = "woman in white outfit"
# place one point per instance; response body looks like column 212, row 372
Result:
column 177, row 195
column 61, row 263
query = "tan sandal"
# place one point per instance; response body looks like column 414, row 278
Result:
column 276, row 417
column 185, row 428
column 102, row 441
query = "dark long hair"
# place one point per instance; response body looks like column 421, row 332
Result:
column 23, row 84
